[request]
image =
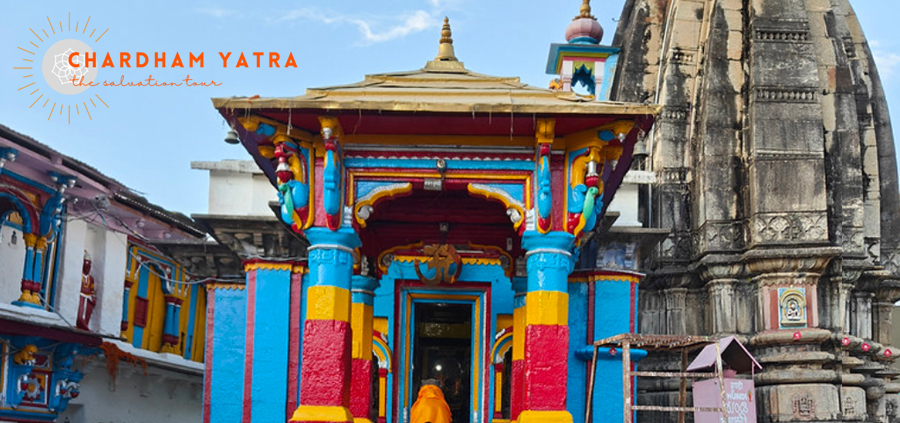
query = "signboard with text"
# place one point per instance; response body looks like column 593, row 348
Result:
column 740, row 401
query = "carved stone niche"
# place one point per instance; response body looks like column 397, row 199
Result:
column 792, row 308
column 886, row 295
column 892, row 408
column 853, row 403
column 720, row 275
column 802, row 402
column 890, row 259
column 787, row 282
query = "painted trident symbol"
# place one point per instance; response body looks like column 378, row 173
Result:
column 442, row 257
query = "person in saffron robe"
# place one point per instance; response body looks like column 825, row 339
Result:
column 88, row 297
column 430, row 407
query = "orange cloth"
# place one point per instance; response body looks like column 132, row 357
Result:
column 430, row 406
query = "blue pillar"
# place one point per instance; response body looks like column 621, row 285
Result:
column 325, row 372
column 549, row 262
column 268, row 339
column 223, row 383
column 170, row 325
column 30, row 287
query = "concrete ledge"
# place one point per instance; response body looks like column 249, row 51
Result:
column 162, row 360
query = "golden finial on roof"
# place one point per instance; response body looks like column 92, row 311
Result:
column 585, row 10
column 445, row 50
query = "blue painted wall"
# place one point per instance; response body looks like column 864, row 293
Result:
column 384, row 307
column 612, row 316
column 270, row 345
column 612, row 309
column 229, row 340
column 137, row 338
column 195, row 292
column 577, row 379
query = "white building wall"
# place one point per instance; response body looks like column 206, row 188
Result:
column 160, row 396
column 263, row 193
column 108, row 250
column 69, row 279
column 111, row 292
column 228, row 192
column 237, row 188
column 626, row 204
column 12, row 263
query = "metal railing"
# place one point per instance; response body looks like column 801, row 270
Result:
column 684, row 344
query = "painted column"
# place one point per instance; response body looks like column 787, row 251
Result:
column 30, row 288
column 170, row 327
column 127, row 296
column 295, row 334
column 268, row 340
column 517, row 376
column 549, row 261
column 363, row 295
column 325, row 368
column 498, row 391
column 226, row 343
column 40, row 248
column 382, row 392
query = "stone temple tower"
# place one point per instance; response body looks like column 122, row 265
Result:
column 776, row 174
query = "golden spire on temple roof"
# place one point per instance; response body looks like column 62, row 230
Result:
column 585, row 10
column 445, row 50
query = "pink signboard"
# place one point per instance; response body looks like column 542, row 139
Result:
column 740, row 401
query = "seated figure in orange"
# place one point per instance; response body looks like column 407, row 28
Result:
column 430, row 407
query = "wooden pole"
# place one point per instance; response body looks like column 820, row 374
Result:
column 590, row 395
column 720, row 375
column 682, row 391
column 626, row 382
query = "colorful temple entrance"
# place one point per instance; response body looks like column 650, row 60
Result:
column 445, row 213
column 442, row 349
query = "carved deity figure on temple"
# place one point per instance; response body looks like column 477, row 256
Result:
column 88, row 296
column 793, row 311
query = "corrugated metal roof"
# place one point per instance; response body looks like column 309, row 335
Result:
column 441, row 86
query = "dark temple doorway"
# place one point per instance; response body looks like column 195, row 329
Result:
column 443, row 350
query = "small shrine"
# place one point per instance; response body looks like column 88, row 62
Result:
column 445, row 213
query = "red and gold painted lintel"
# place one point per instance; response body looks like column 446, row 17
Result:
column 606, row 275
column 256, row 264
column 225, row 285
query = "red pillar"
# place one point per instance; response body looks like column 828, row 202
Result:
column 546, row 350
column 325, row 375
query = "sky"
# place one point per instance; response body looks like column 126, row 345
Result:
column 146, row 137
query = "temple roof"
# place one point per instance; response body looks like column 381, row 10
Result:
column 441, row 86
column 444, row 85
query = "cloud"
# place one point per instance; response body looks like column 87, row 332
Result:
column 446, row 4
column 373, row 30
column 888, row 62
column 218, row 12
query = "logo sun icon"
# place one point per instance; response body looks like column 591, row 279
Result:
column 58, row 72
